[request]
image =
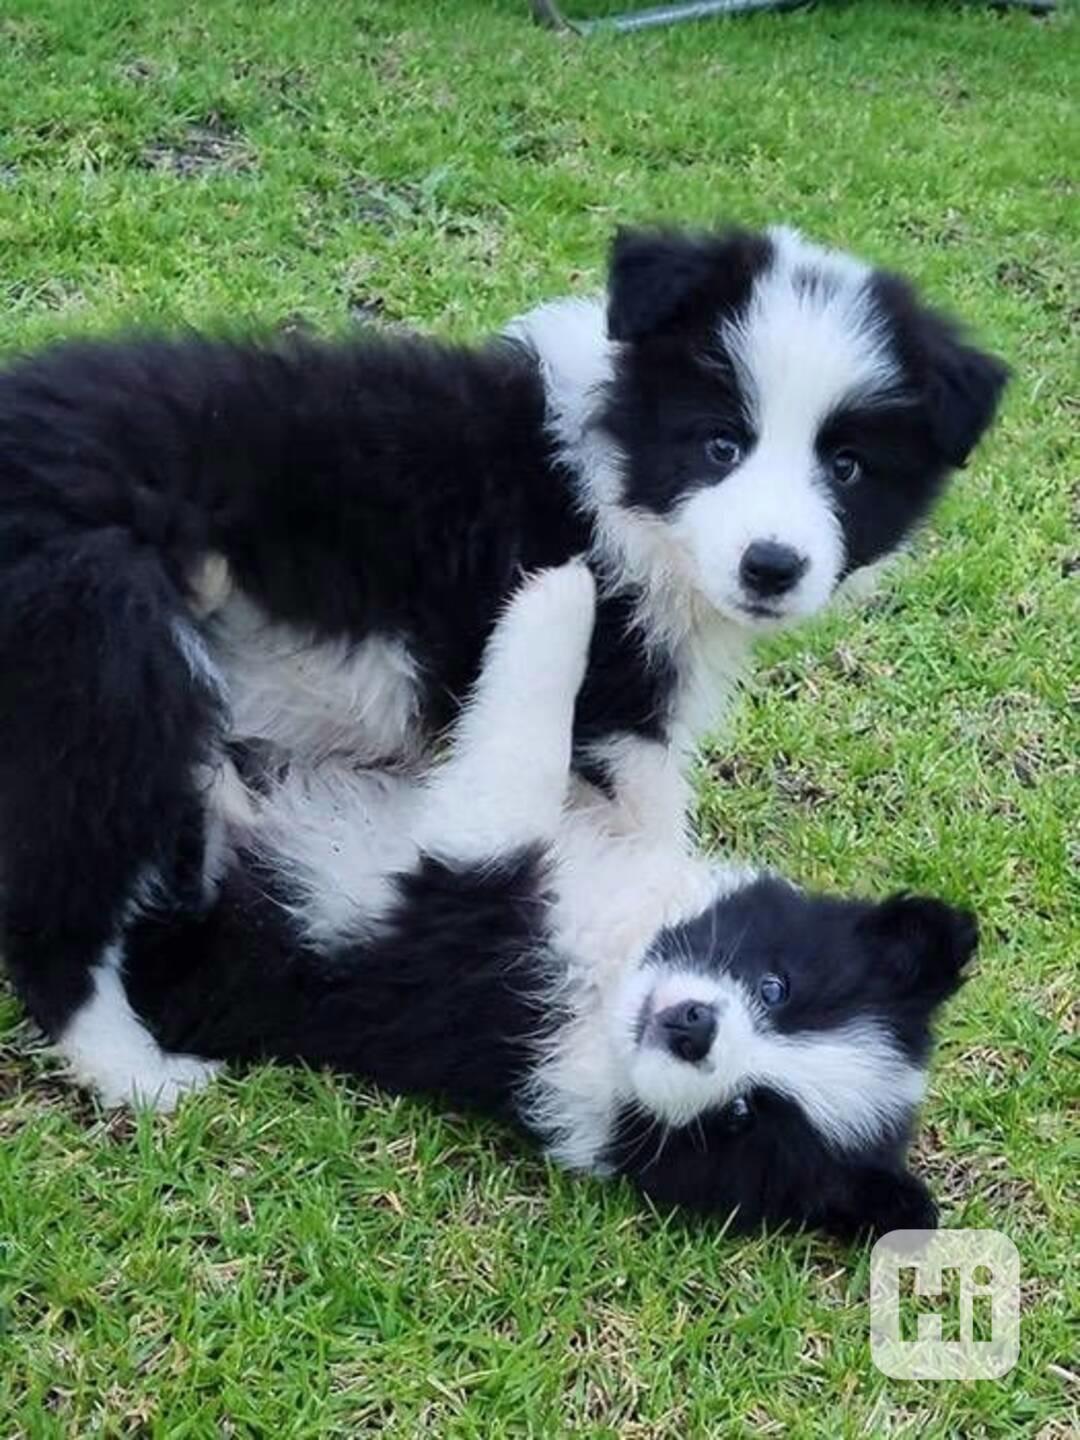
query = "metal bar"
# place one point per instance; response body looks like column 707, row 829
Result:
column 548, row 13
column 683, row 10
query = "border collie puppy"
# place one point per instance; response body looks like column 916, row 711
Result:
column 305, row 545
column 744, row 1050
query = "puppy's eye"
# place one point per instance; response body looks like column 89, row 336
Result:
column 773, row 989
column 845, row 468
column 724, row 450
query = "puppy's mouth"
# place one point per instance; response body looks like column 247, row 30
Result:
column 757, row 610
column 752, row 610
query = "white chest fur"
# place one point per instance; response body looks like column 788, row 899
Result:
column 317, row 698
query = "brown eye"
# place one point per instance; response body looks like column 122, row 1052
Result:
column 724, row 450
column 845, row 468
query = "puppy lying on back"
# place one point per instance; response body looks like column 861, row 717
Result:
column 742, row 1049
column 305, row 545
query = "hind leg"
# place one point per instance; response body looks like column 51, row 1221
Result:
column 107, row 723
column 108, row 1049
column 505, row 782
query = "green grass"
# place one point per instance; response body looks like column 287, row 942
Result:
column 292, row 1256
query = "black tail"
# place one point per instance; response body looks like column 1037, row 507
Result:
column 107, row 715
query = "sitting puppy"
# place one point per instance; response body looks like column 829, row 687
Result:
column 305, row 546
column 750, row 1052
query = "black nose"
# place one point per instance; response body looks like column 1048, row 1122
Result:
column 688, row 1029
column 767, row 568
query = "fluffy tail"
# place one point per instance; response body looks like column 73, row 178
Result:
column 108, row 709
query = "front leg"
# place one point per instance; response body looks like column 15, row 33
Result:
column 622, row 729
column 505, row 782
column 646, row 794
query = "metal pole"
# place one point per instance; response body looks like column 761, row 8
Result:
column 548, row 13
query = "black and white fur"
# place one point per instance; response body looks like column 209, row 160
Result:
column 731, row 1045
column 303, row 546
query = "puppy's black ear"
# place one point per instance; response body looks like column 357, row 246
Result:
column 964, row 386
column 926, row 942
column 876, row 1199
column 662, row 280
column 960, row 385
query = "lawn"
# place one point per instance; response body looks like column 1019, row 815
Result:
column 291, row 1255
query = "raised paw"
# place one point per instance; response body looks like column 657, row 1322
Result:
column 547, row 626
column 566, row 592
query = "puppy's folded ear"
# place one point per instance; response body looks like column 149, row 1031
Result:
column 926, row 942
column 964, row 387
column 961, row 386
column 661, row 281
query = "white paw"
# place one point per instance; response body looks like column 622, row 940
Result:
column 547, row 627
column 108, row 1050
column 566, row 593
column 159, row 1087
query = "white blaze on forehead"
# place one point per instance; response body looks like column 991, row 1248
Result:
column 809, row 339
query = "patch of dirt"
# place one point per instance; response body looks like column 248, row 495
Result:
column 954, row 1179
column 51, row 294
column 538, row 145
column 1064, row 1429
column 290, row 86
column 206, row 149
column 394, row 205
column 367, row 308
column 1024, row 736
column 990, row 1066
column 789, row 678
column 1026, row 764
column 846, row 663
column 295, row 324
column 364, row 305
column 1034, row 282
column 387, row 204
column 949, row 86
column 938, row 230
column 732, row 770
column 796, row 784
column 793, row 781
column 142, row 70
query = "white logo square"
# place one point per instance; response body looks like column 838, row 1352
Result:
column 975, row 1274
